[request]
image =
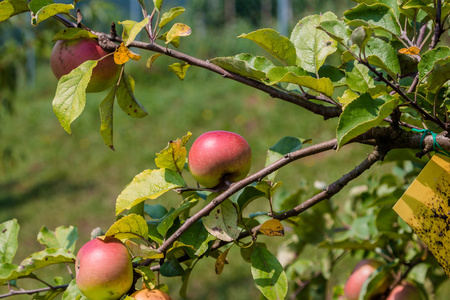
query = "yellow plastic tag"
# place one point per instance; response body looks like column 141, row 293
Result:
column 425, row 207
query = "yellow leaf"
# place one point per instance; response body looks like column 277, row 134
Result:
column 123, row 54
column 411, row 50
column 425, row 208
column 272, row 228
column 221, row 261
column 178, row 29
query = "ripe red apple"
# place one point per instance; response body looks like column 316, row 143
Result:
column 218, row 156
column 103, row 269
column 147, row 294
column 360, row 273
column 404, row 291
column 69, row 54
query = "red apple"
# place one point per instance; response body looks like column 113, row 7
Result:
column 405, row 291
column 359, row 275
column 219, row 156
column 104, row 270
column 69, row 54
column 147, row 294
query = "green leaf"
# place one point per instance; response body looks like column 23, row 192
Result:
column 170, row 15
column 130, row 226
column 284, row 146
column 268, row 274
column 9, row 232
column 44, row 258
column 363, row 114
column 70, row 97
column 156, row 211
column 131, row 29
column 357, row 77
column 169, row 219
column 171, row 268
column 62, row 237
column 73, row 34
column 149, row 184
column 249, row 194
column 222, row 222
column 195, row 236
column 177, row 30
column 381, row 54
column 290, row 74
column 245, row 64
column 73, row 293
column 8, row 272
column 106, row 109
column 275, row 44
column 126, row 100
column 337, row 29
column 157, row 4
column 49, row 11
column 378, row 16
column 313, row 45
column 429, row 58
column 174, row 155
column 439, row 75
column 148, row 276
column 179, row 69
column 361, row 35
column 9, row 8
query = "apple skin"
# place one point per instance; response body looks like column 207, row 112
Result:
column 146, row 294
column 405, row 291
column 69, row 54
column 360, row 273
column 219, row 155
column 104, row 270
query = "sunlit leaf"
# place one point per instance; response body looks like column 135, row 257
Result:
column 62, row 237
column 130, row 226
column 174, row 155
column 222, row 222
column 177, row 30
column 170, row 15
column 337, row 29
column 70, row 97
column 9, row 8
column 179, row 69
column 9, row 232
column 291, row 75
column 123, row 54
column 45, row 258
column 429, row 58
column 362, row 114
column 244, row 64
column 381, row 54
column 275, row 44
column 148, row 276
column 143, row 251
column 149, row 184
column 268, row 274
column 157, row 4
column 313, row 45
column 131, row 29
column 49, row 11
column 126, row 99
column 439, row 75
column 358, row 77
column 378, row 15
column 272, row 227
column 73, row 34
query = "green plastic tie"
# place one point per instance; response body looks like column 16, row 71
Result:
column 426, row 132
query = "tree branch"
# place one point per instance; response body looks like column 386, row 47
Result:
column 34, row 291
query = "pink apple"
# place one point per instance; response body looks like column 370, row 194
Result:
column 360, row 273
column 219, row 156
column 69, row 54
column 405, row 291
column 104, row 270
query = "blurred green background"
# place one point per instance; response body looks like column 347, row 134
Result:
column 49, row 178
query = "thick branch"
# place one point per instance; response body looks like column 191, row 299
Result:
column 288, row 158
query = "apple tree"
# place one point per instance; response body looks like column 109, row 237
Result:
column 388, row 88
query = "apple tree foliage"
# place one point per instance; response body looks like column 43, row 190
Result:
column 388, row 87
